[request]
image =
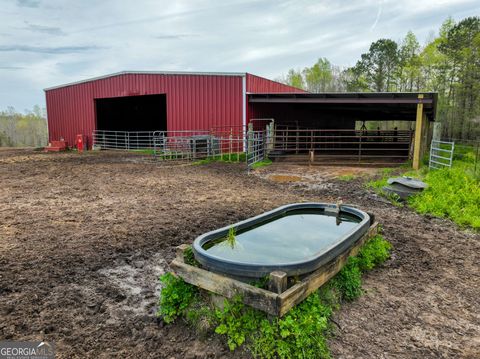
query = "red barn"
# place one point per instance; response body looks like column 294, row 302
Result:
column 352, row 127
column 151, row 101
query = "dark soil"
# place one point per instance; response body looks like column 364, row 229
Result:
column 84, row 237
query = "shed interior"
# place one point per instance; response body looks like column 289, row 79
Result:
column 132, row 113
column 343, row 127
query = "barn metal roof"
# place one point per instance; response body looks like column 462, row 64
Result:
column 147, row 73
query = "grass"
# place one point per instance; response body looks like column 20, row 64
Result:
column 378, row 183
column 189, row 257
column 263, row 163
column 387, row 171
column 144, row 151
column 232, row 157
column 301, row 333
column 231, row 240
column 346, row 178
column 452, row 193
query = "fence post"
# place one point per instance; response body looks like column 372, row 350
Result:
column 451, row 155
column 476, row 158
column 249, row 138
column 296, row 141
column 437, row 131
column 230, row 146
column 271, row 136
column 360, row 148
column 418, row 134
column 238, row 147
column 264, row 145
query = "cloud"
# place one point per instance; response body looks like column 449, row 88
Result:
column 379, row 14
column 46, row 43
column 173, row 36
column 28, row 3
column 48, row 50
column 139, row 21
column 49, row 30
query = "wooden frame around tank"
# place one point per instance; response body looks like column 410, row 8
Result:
column 278, row 299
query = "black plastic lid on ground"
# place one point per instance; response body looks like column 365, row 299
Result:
column 408, row 182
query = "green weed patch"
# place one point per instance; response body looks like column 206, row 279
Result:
column 176, row 297
column 301, row 333
column 263, row 163
column 226, row 157
column 452, row 193
column 346, row 178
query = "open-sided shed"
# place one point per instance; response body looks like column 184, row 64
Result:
column 335, row 125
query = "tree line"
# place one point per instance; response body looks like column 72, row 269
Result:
column 449, row 64
column 23, row 130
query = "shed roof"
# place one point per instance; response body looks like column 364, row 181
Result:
column 394, row 105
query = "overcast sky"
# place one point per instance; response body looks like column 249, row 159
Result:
column 49, row 42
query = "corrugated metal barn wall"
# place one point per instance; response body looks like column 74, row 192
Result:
column 193, row 101
column 256, row 84
column 70, row 111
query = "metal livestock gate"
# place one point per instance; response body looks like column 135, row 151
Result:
column 441, row 154
column 256, row 147
column 122, row 140
column 227, row 144
column 340, row 145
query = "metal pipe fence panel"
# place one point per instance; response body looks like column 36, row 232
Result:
column 122, row 140
column 255, row 147
column 441, row 154
column 466, row 151
column 341, row 144
column 275, row 142
column 193, row 145
column 219, row 140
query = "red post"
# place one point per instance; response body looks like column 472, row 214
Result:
column 80, row 143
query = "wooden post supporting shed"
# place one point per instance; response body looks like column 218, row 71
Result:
column 422, row 134
column 418, row 134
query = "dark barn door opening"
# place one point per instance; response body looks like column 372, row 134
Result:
column 132, row 113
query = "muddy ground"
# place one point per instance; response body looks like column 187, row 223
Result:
column 83, row 239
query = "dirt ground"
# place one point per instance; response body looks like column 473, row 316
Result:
column 83, row 239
